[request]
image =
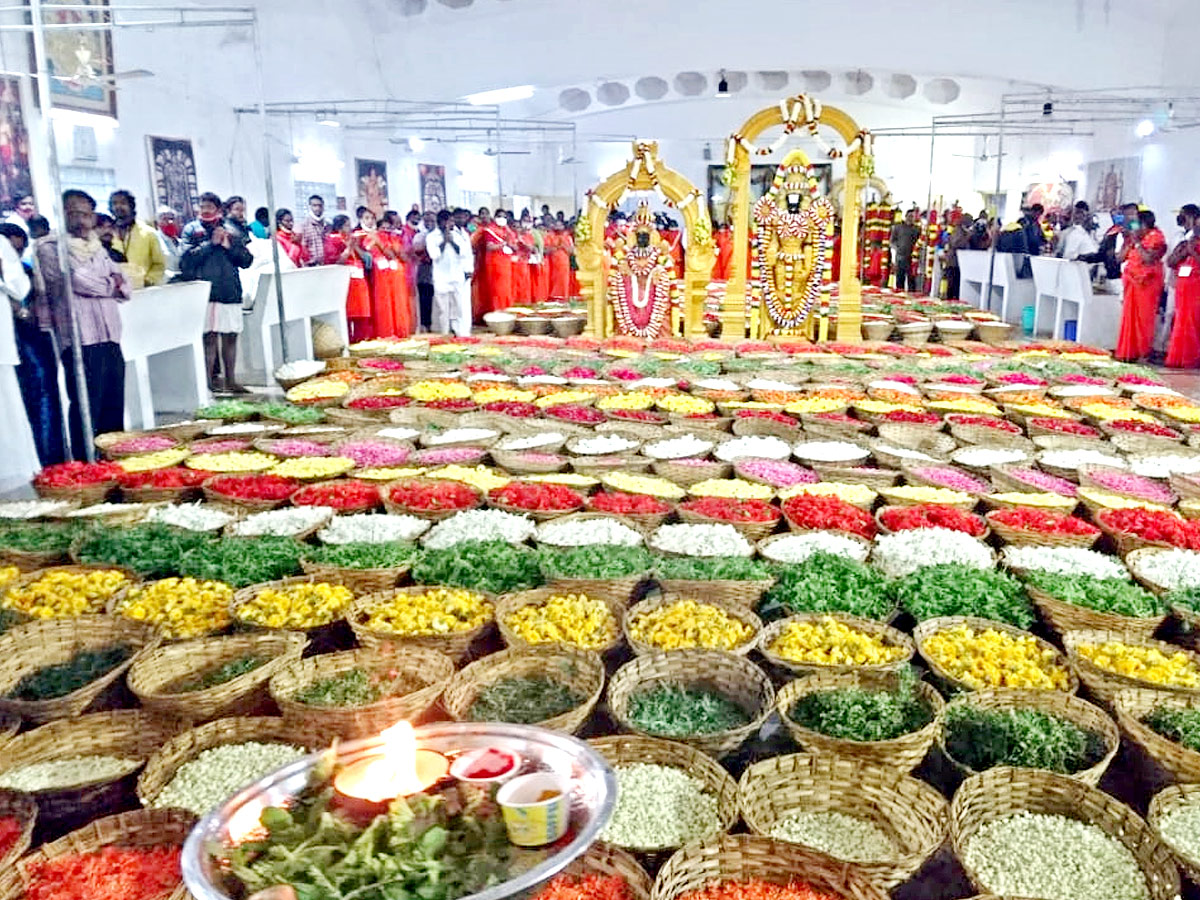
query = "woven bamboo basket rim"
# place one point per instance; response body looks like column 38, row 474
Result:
column 1088, row 478
column 926, row 629
column 513, row 461
column 436, row 515
column 752, row 531
column 892, row 498
column 647, row 522
column 1002, row 791
column 480, row 443
column 751, row 425
column 455, row 644
column 910, row 812
column 531, row 430
column 738, row 611
column 9, row 726
column 153, row 677
column 875, row 478
column 185, row 746
column 599, row 466
column 637, row 749
column 508, row 604
column 686, row 475
column 360, row 581
column 1031, row 537
column 84, row 495
column 608, row 859
column 105, row 442
column 903, row 753
column 1162, row 804
column 573, row 443
column 913, row 435
column 1132, row 705
column 766, row 542
column 1062, row 706
column 212, row 495
column 734, row 677
column 620, row 589
column 1134, row 560
column 538, row 515
column 129, row 734
column 29, row 648
column 913, row 476
column 428, row 669
column 745, row 857
column 140, row 828
column 31, row 561
column 891, row 636
column 244, row 595
column 883, row 529
column 581, row 671
column 743, row 594
column 1067, row 506
column 23, row 808
column 1063, row 616
column 581, row 517
column 1104, row 683
column 355, row 418
column 267, row 444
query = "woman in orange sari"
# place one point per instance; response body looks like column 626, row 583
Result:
column 522, row 280
column 1142, row 275
column 393, row 244
column 383, row 284
column 341, row 248
column 1183, row 351
column 498, row 240
column 558, row 260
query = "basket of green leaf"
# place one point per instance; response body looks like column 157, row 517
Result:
column 243, row 561
column 491, row 567
column 828, row 583
column 1165, row 728
column 54, row 668
column 737, row 580
column 708, row 699
column 35, row 545
column 1030, row 729
column 364, row 568
column 596, row 569
column 552, row 687
column 1185, row 606
column 887, row 719
column 152, row 551
column 1084, row 603
column 956, row 589
column 211, row 678
column 357, row 693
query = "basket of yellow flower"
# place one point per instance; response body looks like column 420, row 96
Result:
column 181, row 608
column 589, row 621
column 566, row 681
column 301, row 603
column 1111, row 661
column 809, row 643
column 671, row 622
column 450, row 620
column 967, row 653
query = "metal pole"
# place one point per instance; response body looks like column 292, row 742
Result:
column 269, row 183
column 43, row 87
column 987, row 297
column 932, row 291
column 499, row 158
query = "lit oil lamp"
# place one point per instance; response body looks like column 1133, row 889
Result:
column 366, row 787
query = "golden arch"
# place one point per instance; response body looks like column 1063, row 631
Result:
column 793, row 114
column 645, row 172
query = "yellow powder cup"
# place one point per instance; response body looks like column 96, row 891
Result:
column 536, row 808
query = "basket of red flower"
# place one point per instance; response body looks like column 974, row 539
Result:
column 753, row 518
column 86, row 482
column 1042, row 528
column 541, row 501
column 931, row 515
column 257, row 493
column 429, row 498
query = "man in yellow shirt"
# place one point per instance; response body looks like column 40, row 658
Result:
column 146, row 265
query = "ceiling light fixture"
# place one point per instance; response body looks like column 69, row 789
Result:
column 1144, row 128
column 723, row 86
column 500, row 95
column 328, row 121
column 1047, row 108
column 416, row 144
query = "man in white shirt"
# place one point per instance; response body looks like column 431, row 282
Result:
column 1077, row 241
column 452, row 258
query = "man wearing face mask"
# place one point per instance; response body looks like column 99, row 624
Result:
column 904, row 239
column 1142, row 251
column 498, row 251
column 168, row 240
column 1183, row 350
column 1110, row 245
column 144, row 260
column 1077, row 241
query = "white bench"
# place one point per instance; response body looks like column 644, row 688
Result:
column 1047, row 304
column 308, row 294
column 1008, row 294
column 161, row 339
column 1097, row 316
column 973, row 269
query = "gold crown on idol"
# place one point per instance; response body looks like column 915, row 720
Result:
column 643, row 220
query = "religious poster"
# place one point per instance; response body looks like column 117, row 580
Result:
column 433, row 187
column 1112, row 182
column 80, row 63
column 372, row 185
column 15, row 181
column 173, row 175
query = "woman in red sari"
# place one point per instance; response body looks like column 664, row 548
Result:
column 558, row 261
column 341, row 248
column 397, row 271
column 522, row 280
column 1183, row 351
column 383, row 292
column 498, row 240
column 1142, row 275
column 289, row 241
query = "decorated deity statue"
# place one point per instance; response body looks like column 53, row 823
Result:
column 641, row 283
column 792, row 230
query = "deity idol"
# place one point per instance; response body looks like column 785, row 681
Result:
column 792, row 233
column 641, row 283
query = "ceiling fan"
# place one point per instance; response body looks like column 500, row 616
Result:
column 982, row 157
column 491, row 151
column 86, row 75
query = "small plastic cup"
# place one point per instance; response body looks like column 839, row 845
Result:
column 464, row 763
column 530, row 820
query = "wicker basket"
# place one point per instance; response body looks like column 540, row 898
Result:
column 457, row 645
column 902, row 754
column 910, row 812
column 126, row 734
column 883, row 529
column 105, row 442
column 885, row 633
column 140, row 828
column 734, row 594
column 878, row 479
column 634, row 749
column 154, row 677
column 737, row 611
column 687, row 475
column 516, row 462
column 620, row 589
column 415, row 665
column 744, row 857
column 732, row 676
column 19, row 806
column 1173, row 761
column 1134, row 561
column 1061, row 706
column 1164, row 802
column 83, row 496
column 581, row 671
column 508, row 604
column 1032, row 538
column 1103, row 684
column 433, row 515
column 332, row 635
column 891, row 498
column 605, row 860
column 35, row 645
column 360, row 581
column 754, row 425
column 537, row 515
column 752, row 531
column 926, row 438
column 1004, row 791
column 187, row 745
column 242, row 503
column 925, row 630
column 1063, row 617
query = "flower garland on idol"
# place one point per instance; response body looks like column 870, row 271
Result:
column 643, row 315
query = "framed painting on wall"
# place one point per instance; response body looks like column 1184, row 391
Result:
column 15, row 180
column 80, row 63
column 1111, row 182
column 173, row 175
column 433, row 187
column 371, row 178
